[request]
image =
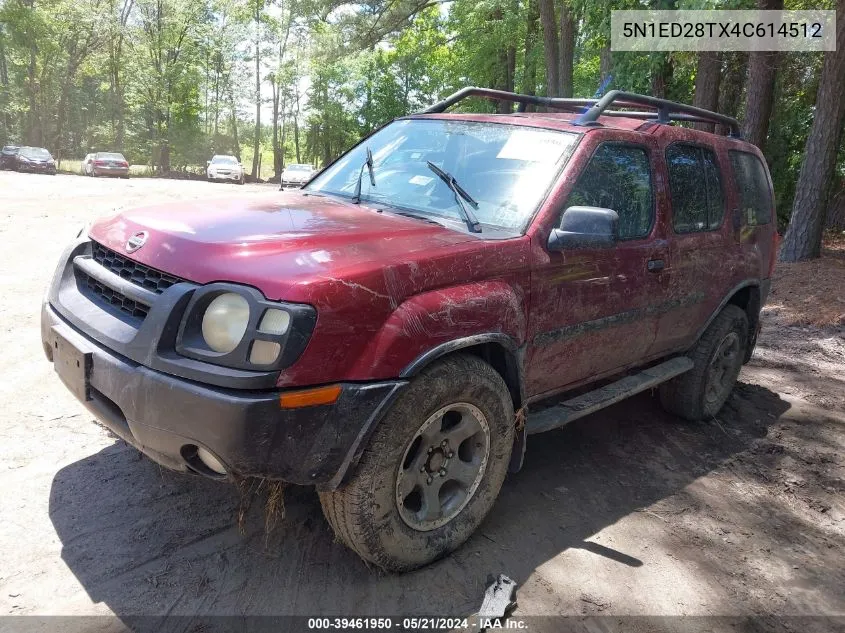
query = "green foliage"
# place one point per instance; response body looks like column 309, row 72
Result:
column 170, row 82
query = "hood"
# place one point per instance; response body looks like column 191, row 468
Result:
column 281, row 243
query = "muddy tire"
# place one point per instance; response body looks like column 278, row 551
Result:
column 433, row 468
column 699, row 393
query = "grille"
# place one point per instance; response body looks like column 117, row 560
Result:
column 136, row 273
column 116, row 299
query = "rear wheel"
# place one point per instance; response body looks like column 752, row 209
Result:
column 432, row 470
column 700, row 393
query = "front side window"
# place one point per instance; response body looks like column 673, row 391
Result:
column 696, row 186
column 618, row 177
column 506, row 169
column 755, row 197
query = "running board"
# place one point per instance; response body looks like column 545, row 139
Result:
column 570, row 410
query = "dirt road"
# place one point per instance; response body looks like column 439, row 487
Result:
column 627, row 512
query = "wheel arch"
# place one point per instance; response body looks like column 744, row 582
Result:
column 748, row 296
column 499, row 350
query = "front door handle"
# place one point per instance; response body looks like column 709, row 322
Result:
column 656, row 265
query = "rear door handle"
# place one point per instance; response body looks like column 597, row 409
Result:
column 656, row 265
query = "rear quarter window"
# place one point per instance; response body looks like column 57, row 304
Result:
column 755, row 196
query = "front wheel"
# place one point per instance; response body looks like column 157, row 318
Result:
column 432, row 470
column 699, row 393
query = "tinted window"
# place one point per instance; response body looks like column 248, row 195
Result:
column 618, row 177
column 696, row 185
column 755, row 198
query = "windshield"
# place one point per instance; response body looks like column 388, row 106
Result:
column 224, row 160
column 110, row 156
column 507, row 169
column 35, row 152
column 299, row 167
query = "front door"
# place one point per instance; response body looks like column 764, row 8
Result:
column 595, row 310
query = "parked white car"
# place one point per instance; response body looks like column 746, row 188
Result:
column 223, row 167
column 297, row 175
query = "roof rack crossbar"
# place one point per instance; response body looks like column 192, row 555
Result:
column 569, row 105
column 665, row 110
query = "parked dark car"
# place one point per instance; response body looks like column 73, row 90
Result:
column 392, row 332
column 36, row 160
column 9, row 157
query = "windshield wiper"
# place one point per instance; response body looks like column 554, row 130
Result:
column 460, row 196
column 356, row 198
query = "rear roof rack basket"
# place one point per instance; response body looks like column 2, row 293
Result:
column 664, row 111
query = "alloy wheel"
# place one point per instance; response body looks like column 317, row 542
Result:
column 442, row 466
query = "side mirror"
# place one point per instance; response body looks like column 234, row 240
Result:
column 207, row 163
column 585, row 227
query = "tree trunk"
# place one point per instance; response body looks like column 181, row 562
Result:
column 296, row 137
column 836, row 211
column 730, row 90
column 256, row 150
column 234, row 124
column 33, row 134
column 661, row 75
column 708, row 72
column 567, row 49
column 803, row 237
column 507, row 69
column 762, row 72
column 529, row 76
column 276, row 89
column 605, row 63
column 551, row 47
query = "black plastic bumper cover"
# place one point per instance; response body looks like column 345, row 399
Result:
column 247, row 430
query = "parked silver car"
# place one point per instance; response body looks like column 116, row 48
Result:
column 224, row 167
column 296, row 175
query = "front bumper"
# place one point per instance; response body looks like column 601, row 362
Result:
column 37, row 168
column 167, row 418
column 234, row 177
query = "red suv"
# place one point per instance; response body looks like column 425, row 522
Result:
column 393, row 331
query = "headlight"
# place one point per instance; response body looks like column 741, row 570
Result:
column 236, row 326
column 224, row 322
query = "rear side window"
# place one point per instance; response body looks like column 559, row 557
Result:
column 696, row 186
column 755, row 197
column 618, row 177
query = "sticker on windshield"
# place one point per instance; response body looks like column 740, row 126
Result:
column 537, row 147
column 421, row 180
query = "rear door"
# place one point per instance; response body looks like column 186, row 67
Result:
column 704, row 244
column 592, row 308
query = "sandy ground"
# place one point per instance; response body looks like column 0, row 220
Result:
column 626, row 512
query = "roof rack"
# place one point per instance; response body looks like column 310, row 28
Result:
column 590, row 110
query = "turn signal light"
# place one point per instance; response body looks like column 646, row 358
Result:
column 310, row 397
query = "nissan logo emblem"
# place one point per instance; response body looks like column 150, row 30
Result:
column 136, row 241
